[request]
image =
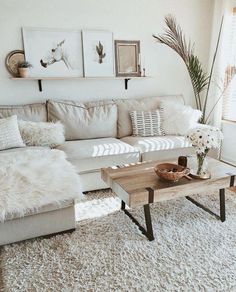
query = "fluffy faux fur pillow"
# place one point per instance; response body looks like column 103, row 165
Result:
column 41, row 133
column 178, row 119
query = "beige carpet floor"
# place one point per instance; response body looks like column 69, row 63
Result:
column 192, row 251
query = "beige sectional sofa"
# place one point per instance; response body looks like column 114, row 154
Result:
column 99, row 134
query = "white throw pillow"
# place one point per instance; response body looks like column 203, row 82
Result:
column 42, row 133
column 146, row 124
column 178, row 119
column 9, row 133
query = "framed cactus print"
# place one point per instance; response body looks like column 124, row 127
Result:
column 98, row 53
column 127, row 58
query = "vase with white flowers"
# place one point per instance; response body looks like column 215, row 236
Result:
column 204, row 138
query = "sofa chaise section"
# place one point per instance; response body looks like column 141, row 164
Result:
column 41, row 200
column 60, row 216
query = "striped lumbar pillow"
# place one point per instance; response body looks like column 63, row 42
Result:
column 147, row 123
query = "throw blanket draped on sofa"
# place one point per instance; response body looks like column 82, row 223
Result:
column 34, row 178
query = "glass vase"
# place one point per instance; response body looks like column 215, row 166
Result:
column 202, row 164
column 198, row 165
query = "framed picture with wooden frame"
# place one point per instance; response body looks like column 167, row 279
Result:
column 127, row 54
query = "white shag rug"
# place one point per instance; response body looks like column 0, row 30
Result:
column 34, row 178
column 192, row 251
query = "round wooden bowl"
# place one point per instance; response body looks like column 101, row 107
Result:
column 171, row 172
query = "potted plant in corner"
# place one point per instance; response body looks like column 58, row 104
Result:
column 174, row 38
column 23, row 69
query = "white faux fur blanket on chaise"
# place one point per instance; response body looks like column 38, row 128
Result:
column 34, row 178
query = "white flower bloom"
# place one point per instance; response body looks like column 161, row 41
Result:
column 203, row 138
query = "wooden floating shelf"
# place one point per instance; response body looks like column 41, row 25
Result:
column 40, row 79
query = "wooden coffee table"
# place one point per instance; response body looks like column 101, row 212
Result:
column 138, row 185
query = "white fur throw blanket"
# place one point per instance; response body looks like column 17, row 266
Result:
column 34, row 178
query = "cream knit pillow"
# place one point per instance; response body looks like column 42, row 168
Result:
column 9, row 133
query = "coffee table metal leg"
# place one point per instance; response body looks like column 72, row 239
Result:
column 148, row 220
column 122, row 205
column 148, row 232
column 222, row 206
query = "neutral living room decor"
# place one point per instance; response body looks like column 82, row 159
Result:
column 98, row 53
column 127, row 55
column 53, row 52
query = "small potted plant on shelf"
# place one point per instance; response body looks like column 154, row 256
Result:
column 23, row 69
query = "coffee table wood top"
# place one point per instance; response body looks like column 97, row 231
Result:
column 131, row 183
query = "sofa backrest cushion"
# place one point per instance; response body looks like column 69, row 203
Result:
column 30, row 112
column 124, row 125
column 85, row 120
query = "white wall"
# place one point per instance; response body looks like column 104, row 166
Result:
column 223, row 7
column 228, row 153
column 128, row 19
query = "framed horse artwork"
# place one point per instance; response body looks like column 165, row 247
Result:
column 53, row 52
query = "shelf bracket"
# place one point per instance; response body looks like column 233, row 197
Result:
column 40, row 85
column 126, row 83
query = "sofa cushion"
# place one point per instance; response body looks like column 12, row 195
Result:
column 41, row 133
column 124, row 126
column 91, row 155
column 85, row 120
column 29, row 112
column 147, row 124
column 10, row 136
column 154, row 148
column 178, row 119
